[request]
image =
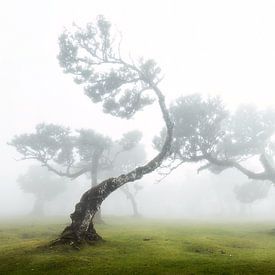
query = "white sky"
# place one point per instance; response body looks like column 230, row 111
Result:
column 211, row 47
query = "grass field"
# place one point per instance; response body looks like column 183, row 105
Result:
column 140, row 247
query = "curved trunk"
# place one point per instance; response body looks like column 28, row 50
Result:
column 81, row 228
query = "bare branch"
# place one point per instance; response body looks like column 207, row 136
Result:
column 67, row 174
column 252, row 175
column 166, row 174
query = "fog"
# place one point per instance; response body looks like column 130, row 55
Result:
column 224, row 48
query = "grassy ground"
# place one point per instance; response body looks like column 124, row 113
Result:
column 140, row 247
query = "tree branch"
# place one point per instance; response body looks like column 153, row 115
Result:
column 67, row 174
column 252, row 175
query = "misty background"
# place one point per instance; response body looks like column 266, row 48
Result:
column 208, row 47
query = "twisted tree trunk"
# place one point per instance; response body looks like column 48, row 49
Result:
column 81, row 229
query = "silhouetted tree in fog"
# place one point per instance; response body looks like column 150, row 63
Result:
column 247, row 136
column 72, row 154
column 251, row 191
column 43, row 185
column 206, row 132
column 197, row 130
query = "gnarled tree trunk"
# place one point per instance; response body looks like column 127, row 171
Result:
column 81, row 229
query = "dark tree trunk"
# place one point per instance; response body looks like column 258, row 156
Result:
column 81, row 229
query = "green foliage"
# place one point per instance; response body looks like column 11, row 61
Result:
column 72, row 154
column 89, row 142
column 92, row 55
column 49, row 142
column 248, row 131
column 197, row 128
column 203, row 128
column 140, row 247
column 130, row 139
column 197, row 124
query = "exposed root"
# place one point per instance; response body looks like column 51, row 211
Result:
column 75, row 244
column 69, row 237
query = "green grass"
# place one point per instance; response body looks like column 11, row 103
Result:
column 140, row 247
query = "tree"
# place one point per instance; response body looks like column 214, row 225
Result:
column 72, row 154
column 248, row 136
column 122, row 156
column 92, row 55
column 206, row 131
column 251, row 191
column 43, row 185
column 197, row 130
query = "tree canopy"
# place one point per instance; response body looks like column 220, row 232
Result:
column 92, row 55
column 205, row 131
column 43, row 185
column 252, row 191
column 73, row 153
